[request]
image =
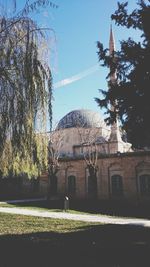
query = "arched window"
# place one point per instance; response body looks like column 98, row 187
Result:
column 116, row 185
column 91, row 184
column 71, row 184
column 53, row 183
column 145, row 184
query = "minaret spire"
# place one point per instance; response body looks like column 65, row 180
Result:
column 111, row 42
column 111, row 53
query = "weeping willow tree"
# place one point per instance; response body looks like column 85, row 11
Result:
column 25, row 91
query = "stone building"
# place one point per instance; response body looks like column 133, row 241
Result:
column 94, row 161
column 121, row 173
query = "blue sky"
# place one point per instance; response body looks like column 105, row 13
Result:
column 78, row 25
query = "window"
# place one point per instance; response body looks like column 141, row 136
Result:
column 91, row 184
column 92, row 187
column 71, row 184
column 53, row 182
column 117, row 186
column 144, row 184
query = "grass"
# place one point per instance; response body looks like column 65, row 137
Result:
column 21, row 224
column 29, row 241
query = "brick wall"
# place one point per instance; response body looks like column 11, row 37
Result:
column 127, row 165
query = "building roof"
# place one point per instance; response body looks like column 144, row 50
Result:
column 81, row 118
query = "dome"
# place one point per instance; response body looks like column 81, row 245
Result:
column 81, row 118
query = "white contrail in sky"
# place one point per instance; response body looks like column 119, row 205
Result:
column 76, row 77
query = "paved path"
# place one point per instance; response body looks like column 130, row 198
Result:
column 23, row 200
column 78, row 217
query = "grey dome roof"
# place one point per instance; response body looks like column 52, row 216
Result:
column 81, row 118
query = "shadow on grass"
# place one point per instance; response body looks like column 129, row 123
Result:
column 91, row 246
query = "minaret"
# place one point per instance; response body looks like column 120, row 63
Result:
column 115, row 136
column 115, row 141
column 111, row 52
column 111, row 42
column 113, row 78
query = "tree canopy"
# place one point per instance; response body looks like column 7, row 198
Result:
column 131, row 91
column 25, row 91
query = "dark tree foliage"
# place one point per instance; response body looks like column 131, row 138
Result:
column 131, row 91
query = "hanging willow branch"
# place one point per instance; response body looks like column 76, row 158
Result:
column 25, row 91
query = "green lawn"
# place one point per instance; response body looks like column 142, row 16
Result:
column 21, row 224
column 27, row 241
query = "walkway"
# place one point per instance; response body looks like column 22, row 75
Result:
column 78, row 217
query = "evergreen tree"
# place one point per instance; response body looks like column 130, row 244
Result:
column 131, row 91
